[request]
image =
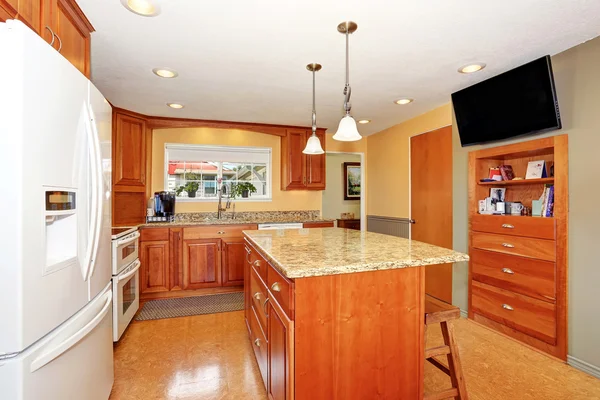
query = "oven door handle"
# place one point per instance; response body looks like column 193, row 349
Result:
column 128, row 275
column 129, row 240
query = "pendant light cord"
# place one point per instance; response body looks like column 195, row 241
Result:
column 347, row 90
column 314, row 109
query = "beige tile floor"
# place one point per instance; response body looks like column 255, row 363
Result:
column 209, row 357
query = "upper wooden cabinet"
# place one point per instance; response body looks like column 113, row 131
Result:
column 129, row 142
column 298, row 170
column 60, row 22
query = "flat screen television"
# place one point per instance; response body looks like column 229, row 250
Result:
column 519, row 102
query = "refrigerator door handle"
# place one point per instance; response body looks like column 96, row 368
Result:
column 97, row 169
column 66, row 344
column 94, row 203
column 130, row 273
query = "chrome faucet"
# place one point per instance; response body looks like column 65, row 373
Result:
column 220, row 207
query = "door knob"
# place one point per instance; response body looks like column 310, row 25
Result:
column 276, row 287
column 412, row 221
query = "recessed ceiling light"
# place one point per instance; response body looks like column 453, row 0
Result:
column 165, row 72
column 364, row 121
column 404, row 101
column 469, row 69
column 146, row 8
column 175, row 105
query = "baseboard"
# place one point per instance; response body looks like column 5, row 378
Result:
column 464, row 314
column 584, row 366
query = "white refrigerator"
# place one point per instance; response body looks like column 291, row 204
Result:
column 55, row 205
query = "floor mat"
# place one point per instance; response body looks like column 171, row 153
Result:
column 187, row 306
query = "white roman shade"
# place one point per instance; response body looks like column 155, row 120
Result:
column 198, row 153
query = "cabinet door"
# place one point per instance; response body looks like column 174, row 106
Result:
column 247, row 288
column 154, row 256
column 234, row 260
column 176, row 259
column 201, row 263
column 315, row 167
column 49, row 19
column 27, row 11
column 293, row 161
column 73, row 35
column 129, row 151
column 281, row 354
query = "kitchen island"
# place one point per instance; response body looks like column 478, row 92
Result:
column 338, row 314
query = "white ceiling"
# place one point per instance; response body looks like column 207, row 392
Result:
column 244, row 60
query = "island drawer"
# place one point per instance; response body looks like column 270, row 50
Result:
column 521, row 246
column 281, row 289
column 531, row 316
column 216, row 231
column 259, row 344
column 258, row 296
column 534, row 278
column 541, row 228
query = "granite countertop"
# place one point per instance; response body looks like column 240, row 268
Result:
column 242, row 217
column 237, row 221
column 302, row 253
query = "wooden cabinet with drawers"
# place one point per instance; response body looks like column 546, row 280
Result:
column 518, row 265
column 178, row 260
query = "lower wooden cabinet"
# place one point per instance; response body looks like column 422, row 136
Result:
column 188, row 258
column 234, row 258
column 154, row 256
column 201, row 263
column 280, row 338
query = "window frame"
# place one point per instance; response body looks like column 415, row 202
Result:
column 218, row 148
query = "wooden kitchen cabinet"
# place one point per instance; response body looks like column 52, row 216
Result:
column 280, row 338
column 130, row 194
column 154, row 256
column 234, row 258
column 64, row 18
column 298, row 170
column 201, row 263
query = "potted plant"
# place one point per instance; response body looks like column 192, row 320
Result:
column 191, row 188
column 242, row 189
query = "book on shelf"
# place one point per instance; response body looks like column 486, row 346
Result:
column 507, row 172
column 550, row 206
column 495, row 174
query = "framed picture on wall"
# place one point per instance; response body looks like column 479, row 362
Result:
column 352, row 172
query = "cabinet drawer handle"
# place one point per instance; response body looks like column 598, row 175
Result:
column 59, row 43
column 257, row 296
column 276, row 287
column 510, row 246
column 220, row 232
column 257, row 342
column 508, row 226
column 257, row 263
column 508, row 271
column 507, row 307
column 247, row 250
column 265, row 307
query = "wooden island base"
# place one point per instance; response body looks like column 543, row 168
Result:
column 337, row 337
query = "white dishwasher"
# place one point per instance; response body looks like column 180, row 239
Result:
column 283, row 225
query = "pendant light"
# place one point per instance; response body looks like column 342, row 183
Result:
column 347, row 130
column 313, row 145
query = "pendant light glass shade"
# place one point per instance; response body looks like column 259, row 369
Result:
column 313, row 146
column 347, row 130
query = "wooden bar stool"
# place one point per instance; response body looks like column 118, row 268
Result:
column 437, row 311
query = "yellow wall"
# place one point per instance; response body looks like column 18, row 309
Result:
column 388, row 162
column 282, row 200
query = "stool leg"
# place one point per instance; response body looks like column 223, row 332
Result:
column 456, row 375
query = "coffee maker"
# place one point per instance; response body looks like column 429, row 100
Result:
column 164, row 207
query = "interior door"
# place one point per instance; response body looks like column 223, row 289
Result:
column 431, row 202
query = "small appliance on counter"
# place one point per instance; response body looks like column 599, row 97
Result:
column 164, row 207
